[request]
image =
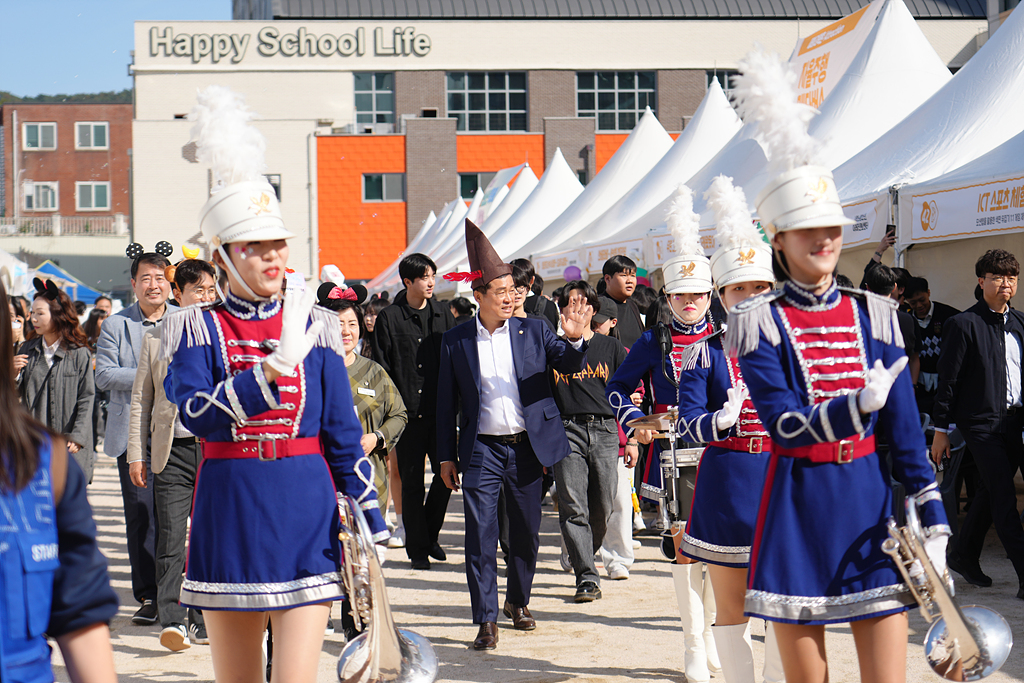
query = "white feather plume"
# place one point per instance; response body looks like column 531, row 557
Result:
column 683, row 223
column 733, row 221
column 225, row 139
column 766, row 93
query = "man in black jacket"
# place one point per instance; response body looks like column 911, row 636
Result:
column 980, row 391
column 931, row 317
column 535, row 303
column 407, row 343
column 619, row 273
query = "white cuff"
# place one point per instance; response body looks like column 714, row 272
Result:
column 940, row 430
column 576, row 344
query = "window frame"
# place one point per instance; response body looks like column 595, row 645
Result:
column 506, row 92
column 92, row 134
column 54, row 186
column 483, row 179
column 646, row 94
column 385, row 184
column 91, row 184
column 373, row 93
column 24, row 136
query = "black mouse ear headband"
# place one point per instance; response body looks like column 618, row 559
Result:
column 135, row 250
column 47, row 288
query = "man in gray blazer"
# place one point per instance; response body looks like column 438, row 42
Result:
column 117, row 357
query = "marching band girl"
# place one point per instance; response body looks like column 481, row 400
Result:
column 714, row 408
column 261, row 377
column 688, row 286
column 824, row 369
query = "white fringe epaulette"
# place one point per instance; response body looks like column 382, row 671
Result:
column 747, row 320
column 696, row 355
column 881, row 313
column 187, row 322
column 330, row 335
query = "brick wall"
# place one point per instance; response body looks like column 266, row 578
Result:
column 573, row 136
column 680, row 92
column 65, row 164
column 431, row 169
column 551, row 94
column 417, row 90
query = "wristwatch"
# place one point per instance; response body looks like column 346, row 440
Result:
column 380, row 439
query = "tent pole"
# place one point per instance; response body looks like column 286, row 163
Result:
column 899, row 250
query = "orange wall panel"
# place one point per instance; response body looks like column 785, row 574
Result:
column 361, row 238
column 487, row 153
column 605, row 147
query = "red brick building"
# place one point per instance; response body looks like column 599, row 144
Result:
column 69, row 161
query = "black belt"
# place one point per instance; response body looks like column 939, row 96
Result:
column 505, row 438
column 585, row 418
column 186, row 441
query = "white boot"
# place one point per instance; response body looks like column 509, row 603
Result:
column 710, row 610
column 737, row 657
column 773, row 672
column 688, row 579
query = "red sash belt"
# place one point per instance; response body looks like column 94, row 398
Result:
column 270, row 449
column 840, row 452
column 745, row 444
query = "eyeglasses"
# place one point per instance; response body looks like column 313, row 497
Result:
column 521, row 290
column 1000, row 280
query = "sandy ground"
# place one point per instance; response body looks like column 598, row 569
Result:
column 632, row 634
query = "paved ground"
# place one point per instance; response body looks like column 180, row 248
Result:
column 632, row 634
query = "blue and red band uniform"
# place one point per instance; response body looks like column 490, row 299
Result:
column 645, row 358
column 276, row 452
column 816, row 556
column 730, row 476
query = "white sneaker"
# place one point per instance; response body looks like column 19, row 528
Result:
column 397, row 539
column 637, row 544
column 175, row 638
column 618, row 573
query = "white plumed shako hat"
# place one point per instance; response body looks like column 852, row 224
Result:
column 246, row 211
column 805, row 197
column 742, row 255
column 689, row 271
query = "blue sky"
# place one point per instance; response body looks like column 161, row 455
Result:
column 81, row 46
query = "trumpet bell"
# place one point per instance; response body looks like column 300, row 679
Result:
column 995, row 641
column 417, row 662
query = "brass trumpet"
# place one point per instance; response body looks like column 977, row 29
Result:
column 382, row 652
column 963, row 643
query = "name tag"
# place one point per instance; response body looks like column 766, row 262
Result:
column 366, row 392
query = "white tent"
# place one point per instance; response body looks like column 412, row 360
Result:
column 712, row 126
column 428, row 225
column 456, row 234
column 15, row 275
column 975, row 112
column 636, row 156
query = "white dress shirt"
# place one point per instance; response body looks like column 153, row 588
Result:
column 501, row 409
column 49, row 351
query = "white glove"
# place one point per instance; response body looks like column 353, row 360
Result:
column 880, row 380
column 296, row 340
column 730, row 412
column 935, row 548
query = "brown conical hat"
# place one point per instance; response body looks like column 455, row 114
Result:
column 482, row 257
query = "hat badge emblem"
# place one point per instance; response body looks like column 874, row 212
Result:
column 687, row 270
column 746, row 258
column 817, row 191
column 260, row 204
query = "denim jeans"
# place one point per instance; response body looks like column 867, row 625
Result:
column 587, row 480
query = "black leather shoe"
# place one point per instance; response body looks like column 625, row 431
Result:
column 420, row 563
column 147, row 614
column 520, row 615
column 437, row 552
column 588, row 591
column 971, row 571
column 486, row 637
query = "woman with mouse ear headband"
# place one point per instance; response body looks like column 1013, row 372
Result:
column 260, row 377
column 824, row 369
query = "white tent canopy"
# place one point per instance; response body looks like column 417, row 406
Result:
column 975, row 112
column 376, row 284
column 443, row 227
column 646, row 145
column 712, row 126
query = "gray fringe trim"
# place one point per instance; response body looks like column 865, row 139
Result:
column 695, row 355
column 743, row 333
column 330, row 335
column 882, row 314
column 186, row 321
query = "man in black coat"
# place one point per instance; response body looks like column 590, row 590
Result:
column 979, row 390
column 536, row 303
column 407, row 343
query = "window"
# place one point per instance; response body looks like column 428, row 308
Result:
column 275, row 182
column 616, row 98
column 92, row 196
column 37, row 136
column 726, row 79
column 487, row 100
column 375, row 102
column 40, row 196
column 470, row 182
column 384, row 187
column 91, row 135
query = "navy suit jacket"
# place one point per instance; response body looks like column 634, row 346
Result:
column 535, row 348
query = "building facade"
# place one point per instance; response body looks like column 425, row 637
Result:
column 378, row 113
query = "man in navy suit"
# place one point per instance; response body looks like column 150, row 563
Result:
column 497, row 368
